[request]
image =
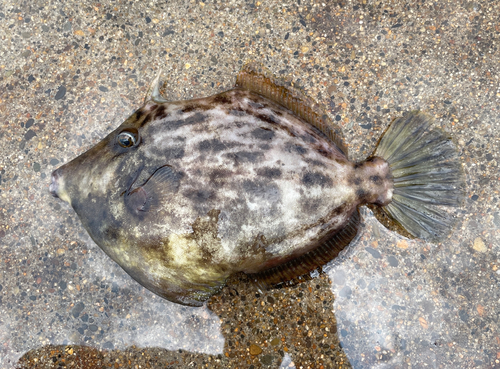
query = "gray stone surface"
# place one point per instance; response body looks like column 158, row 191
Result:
column 71, row 71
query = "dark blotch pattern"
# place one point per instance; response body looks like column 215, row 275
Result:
column 322, row 152
column 195, row 118
column 112, row 233
column 310, row 206
column 255, row 105
column 263, row 133
column 140, row 114
column 315, row 163
column 222, row 99
column 220, row 176
column 376, row 180
column 270, row 173
column 174, row 152
column 296, row 148
column 237, row 113
column 267, row 191
column 271, row 119
column 214, row 145
column 316, row 179
column 195, row 107
column 355, row 181
column 160, row 112
column 188, row 108
column 309, row 138
column 361, row 194
column 246, row 156
column 199, row 196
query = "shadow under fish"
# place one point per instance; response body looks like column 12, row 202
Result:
column 257, row 179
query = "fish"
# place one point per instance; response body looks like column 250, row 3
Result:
column 255, row 180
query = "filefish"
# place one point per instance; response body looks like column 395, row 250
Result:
column 184, row 194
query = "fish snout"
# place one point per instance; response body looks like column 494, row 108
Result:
column 54, row 184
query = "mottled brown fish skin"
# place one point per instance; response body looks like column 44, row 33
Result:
column 215, row 186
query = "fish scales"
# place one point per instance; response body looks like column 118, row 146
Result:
column 184, row 194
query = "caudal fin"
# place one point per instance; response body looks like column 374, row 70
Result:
column 427, row 173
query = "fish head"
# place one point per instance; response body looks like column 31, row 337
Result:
column 120, row 190
column 98, row 179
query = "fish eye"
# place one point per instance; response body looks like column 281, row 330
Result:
column 127, row 139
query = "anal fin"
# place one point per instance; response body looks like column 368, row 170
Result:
column 299, row 269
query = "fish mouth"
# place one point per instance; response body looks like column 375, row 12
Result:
column 54, row 183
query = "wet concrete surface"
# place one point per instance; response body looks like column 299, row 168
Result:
column 71, row 72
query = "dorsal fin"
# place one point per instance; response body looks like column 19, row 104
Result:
column 153, row 93
column 256, row 78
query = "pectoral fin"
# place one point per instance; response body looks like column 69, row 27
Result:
column 162, row 184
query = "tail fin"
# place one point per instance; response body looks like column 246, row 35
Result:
column 428, row 177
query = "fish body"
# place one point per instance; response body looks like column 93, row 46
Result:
column 184, row 194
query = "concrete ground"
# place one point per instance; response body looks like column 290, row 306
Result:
column 70, row 72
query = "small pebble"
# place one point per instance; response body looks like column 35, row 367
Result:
column 255, row 350
column 479, row 245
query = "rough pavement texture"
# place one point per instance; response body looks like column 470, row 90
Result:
column 70, row 72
